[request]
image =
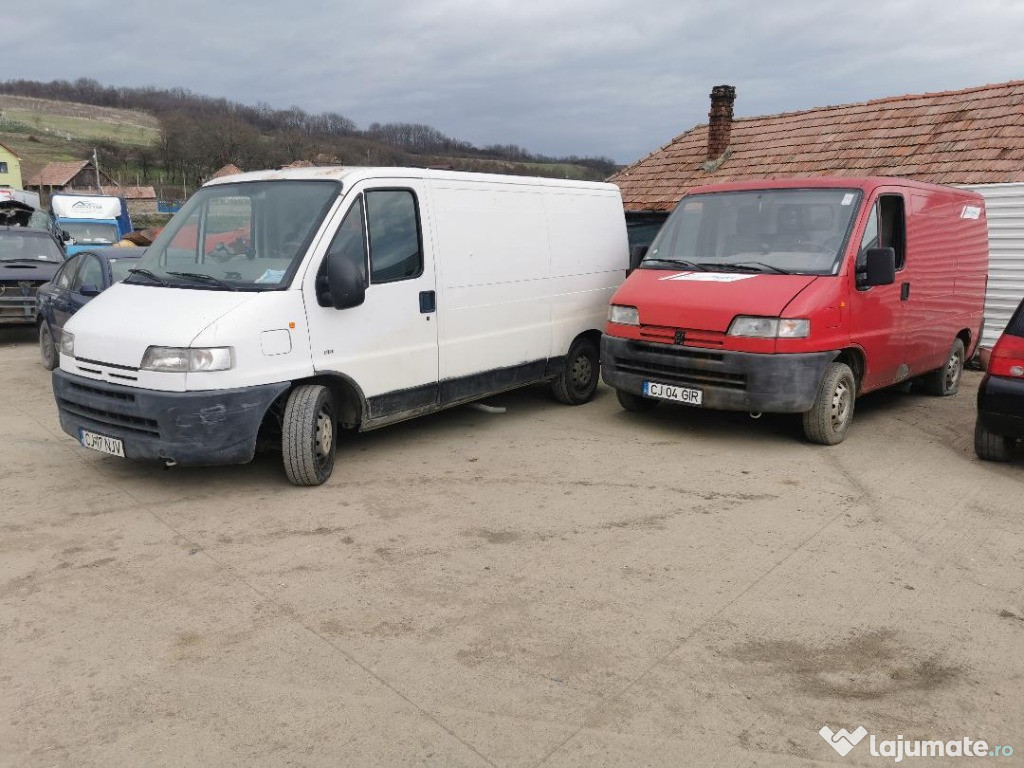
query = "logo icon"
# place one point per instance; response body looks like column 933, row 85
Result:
column 843, row 741
column 680, row 336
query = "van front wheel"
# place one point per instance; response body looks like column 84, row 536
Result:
column 577, row 381
column 309, row 435
column 830, row 416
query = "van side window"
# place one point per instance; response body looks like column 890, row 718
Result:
column 350, row 240
column 891, row 227
column 396, row 251
column 870, row 239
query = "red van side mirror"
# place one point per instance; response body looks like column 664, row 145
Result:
column 880, row 266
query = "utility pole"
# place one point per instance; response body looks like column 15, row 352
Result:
column 96, row 165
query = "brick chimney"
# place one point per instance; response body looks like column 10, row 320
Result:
column 720, row 120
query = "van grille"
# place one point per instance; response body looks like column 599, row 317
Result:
column 666, row 334
column 114, row 408
column 681, row 366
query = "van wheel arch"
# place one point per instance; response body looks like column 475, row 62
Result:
column 854, row 358
column 349, row 402
column 966, row 337
column 348, row 397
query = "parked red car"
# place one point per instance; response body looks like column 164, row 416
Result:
column 798, row 295
column 1000, row 421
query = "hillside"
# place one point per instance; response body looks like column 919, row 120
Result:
column 168, row 138
column 42, row 131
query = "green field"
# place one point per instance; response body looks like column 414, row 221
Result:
column 79, row 129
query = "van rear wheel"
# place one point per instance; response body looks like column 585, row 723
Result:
column 577, row 381
column 946, row 380
column 309, row 435
column 830, row 416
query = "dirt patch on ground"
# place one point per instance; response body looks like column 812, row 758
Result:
column 870, row 665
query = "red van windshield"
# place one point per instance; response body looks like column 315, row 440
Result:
column 800, row 231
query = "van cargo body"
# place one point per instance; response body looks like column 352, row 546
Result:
column 288, row 304
column 797, row 295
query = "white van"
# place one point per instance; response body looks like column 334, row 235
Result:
column 283, row 305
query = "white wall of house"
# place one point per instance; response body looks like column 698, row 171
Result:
column 1004, row 207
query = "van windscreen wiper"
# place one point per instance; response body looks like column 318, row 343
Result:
column 204, row 278
column 758, row 266
column 676, row 263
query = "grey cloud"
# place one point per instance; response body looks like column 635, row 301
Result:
column 575, row 77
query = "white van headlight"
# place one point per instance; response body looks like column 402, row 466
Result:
column 67, row 343
column 187, row 359
column 770, row 327
column 623, row 315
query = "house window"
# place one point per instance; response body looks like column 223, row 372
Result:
column 3, row 167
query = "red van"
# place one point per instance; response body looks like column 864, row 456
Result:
column 798, row 295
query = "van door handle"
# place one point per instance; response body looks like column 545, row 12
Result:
column 428, row 302
column 904, row 291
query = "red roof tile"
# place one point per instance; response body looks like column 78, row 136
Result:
column 955, row 137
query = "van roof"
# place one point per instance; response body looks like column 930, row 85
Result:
column 352, row 174
column 866, row 183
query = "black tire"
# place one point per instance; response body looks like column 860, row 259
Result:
column 635, row 403
column 48, row 353
column 992, row 447
column 830, row 416
column 945, row 381
column 577, row 381
column 309, row 435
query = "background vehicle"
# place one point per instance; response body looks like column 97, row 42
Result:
column 1000, row 421
column 14, row 213
column 91, row 220
column 28, row 258
column 289, row 304
column 30, row 199
column 81, row 278
column 798, row 295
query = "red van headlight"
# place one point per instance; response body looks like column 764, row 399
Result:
column 770, row 327
column 623, row 315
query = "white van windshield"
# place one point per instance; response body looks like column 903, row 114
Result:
column 789, row 231
column 246, row 236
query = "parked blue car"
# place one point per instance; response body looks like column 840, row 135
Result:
column 82, row 277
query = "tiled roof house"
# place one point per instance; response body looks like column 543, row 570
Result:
column 974, row 136
column 78, row 174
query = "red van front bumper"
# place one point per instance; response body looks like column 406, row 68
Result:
column 728, row 381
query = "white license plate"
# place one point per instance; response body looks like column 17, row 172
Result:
column 101, row 443
column 687, row 395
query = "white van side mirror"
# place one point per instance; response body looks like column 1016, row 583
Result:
column 343, row 286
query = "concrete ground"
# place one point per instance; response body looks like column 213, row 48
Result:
column 553, row 586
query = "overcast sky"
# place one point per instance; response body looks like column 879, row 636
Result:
column 586, row 77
